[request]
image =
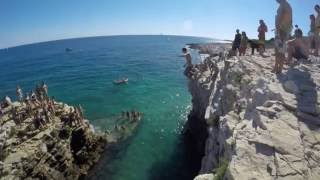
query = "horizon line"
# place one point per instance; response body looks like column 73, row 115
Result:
column 84, row 37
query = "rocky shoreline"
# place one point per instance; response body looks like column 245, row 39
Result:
column 45, row 139
column 253, row 124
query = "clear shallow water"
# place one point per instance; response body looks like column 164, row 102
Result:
column 84, row 76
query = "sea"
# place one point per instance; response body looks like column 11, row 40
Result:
column 85, row 75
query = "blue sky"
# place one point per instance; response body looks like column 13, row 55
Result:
column 28, row 21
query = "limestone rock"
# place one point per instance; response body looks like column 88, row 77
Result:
column 265, row 125
column 291, row 87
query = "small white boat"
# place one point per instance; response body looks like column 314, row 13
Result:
column 121, row 81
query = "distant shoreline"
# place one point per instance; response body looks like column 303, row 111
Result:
column 105, row 36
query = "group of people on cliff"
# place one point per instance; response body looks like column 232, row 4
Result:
column 295, row 46
column 40, row 107
column 241, row 41
column 286, row 46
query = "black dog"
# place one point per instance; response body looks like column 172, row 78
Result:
column 254, row 45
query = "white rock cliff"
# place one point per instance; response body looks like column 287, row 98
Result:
column 263, row 125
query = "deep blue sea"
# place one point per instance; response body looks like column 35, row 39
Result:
column 84, row 76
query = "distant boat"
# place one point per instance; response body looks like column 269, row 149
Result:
column 68, row 49
column 121, row 81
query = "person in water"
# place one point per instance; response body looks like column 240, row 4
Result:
column 298, row 47
column 243, row 44
column 317, row 30
column 236, row 42
column 262, row 29
column 312, row 33
column 188, row 59
column 283, row 24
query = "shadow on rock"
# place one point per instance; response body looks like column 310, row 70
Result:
column 300, row 83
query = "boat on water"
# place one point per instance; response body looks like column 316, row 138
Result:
column 68, row 49
column 121, row 81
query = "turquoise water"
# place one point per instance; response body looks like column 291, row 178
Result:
column 84, row 76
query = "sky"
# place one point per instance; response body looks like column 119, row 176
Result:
column 29, row 21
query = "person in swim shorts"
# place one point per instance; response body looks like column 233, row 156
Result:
column 283, row 23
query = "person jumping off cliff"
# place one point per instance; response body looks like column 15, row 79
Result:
column 283, row 24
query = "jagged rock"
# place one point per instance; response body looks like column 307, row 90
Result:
column 44, row 153
column 205, row 177
column 291, row 87
column 265, row 125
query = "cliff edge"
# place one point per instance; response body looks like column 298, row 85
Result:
column 258, row 125
column 41, row 138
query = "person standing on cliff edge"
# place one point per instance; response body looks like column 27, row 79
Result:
column 262, row 29
column 283, row 24
column 317, row 30
column 188, row 64
column 236, row 42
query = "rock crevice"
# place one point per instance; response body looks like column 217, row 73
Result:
column 265, row 125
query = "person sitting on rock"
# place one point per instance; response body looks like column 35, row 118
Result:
column 46, row 113
column 39, row 121
column 28, row 109
column 34, row 99
column 27, row 98
column 14, row 113
column 38, row 91
column 7, row 101
column 51, row 108
column 19, row 94
column 298, row 47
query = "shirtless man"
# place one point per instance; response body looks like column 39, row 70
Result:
column 19, row 94
column 188, row 64
column 283, row 30
column 262, row 30
column 298, row 47
column 317, row 30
